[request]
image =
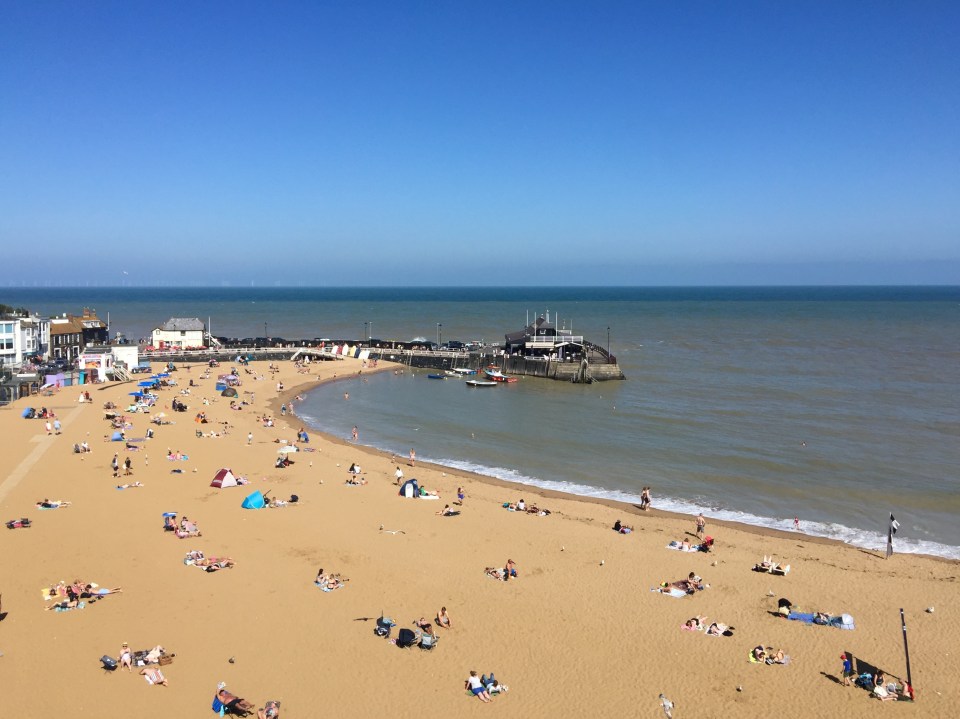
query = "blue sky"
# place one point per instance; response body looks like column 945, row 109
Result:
column 479, row 143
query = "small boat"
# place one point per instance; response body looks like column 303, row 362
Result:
column 463, row 371
column 480, row 383
column 450, row 373
column 498, row 376
column 436, row 376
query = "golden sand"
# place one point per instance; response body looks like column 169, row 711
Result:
column 579, row 633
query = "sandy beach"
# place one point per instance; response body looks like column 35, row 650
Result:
column 578, row 633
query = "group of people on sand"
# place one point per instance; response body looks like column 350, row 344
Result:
column 69, row 595
column 714, row 629
column 503, row 573
column 329, row 581
column 691, row 584
column 356, row 475
column 230, row 703
column 186, row 527
column 208, row 564
column 483, row 687
column 522, row 506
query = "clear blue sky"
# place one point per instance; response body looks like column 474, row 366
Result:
column 480, row 143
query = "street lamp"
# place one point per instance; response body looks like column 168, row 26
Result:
column 439, row 326
column 608, row 344
column 265, row 335
column 365, row 334
column 370, row 331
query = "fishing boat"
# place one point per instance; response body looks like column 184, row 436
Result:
column 480, row 383
column 463, row 371
column 498, row 376
column 436, row 376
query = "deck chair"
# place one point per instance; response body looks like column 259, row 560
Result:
column 428, row 641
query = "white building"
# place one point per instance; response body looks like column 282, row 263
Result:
column 180, row 333
column 22, row 338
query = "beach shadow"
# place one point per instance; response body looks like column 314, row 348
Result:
column 872, row 554
column 364, row 619
column 831, row 677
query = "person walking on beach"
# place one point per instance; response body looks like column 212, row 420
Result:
column 127, row 466
column 356, row 433
column 398, row 475
column 667, row 706
column 645, row 498
column 249, row 438
column 701, row 524
column 56, row 426
column 115, row 465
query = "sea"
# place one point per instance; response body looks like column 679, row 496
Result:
column 837, row 406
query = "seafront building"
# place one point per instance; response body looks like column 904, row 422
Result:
column 180, row 333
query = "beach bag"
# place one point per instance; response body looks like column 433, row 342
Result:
column 218, row 706
column 109, row 663
column 165, row 659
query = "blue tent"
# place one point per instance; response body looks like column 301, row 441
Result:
column 28, row 413
column 117, row 437
column 254, row 501
column 410, row 489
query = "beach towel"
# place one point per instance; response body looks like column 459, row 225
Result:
column 674, row 592
column 843, row 621
column 753, row 659
column 325, row 588
column 679, row 547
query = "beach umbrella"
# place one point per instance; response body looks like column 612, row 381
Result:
column 286, row 450
column 169, row 514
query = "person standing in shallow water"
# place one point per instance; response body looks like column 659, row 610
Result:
column 413, row 457
column 356, row 434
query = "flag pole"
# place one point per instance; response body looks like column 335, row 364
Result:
column 906, row 649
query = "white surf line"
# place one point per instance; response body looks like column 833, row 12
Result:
column 26, row 464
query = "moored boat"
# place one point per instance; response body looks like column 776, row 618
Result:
column 463, row 371
column 436, row 376
column 480, row 383
column 498, row 376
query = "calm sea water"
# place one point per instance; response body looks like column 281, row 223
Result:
column 835, row 405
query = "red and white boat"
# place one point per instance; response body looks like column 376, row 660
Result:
column 498, row 376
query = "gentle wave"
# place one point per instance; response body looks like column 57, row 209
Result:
column 849, row 535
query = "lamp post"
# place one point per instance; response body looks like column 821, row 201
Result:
column 365, row 334
column 608, row 344
column 265, row 335
column 439, row 326
column 369, row 330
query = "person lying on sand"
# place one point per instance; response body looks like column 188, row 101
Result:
column 622, row 528
column 129, row 486
column 52, row 504
column 214, row 564
column 768, row 655
column 495, row 572
column 695, row 623
column 232, row 703
column 448, row 511
column 718, row 629
column 424, row 492
column 94, row 592
column 153, row 675
column 424, row 625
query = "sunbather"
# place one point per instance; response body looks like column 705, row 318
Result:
column 153, row 675
column 448, row 511
column 443, row 619
column 495, row 572
column 622, row 528
column 52, row 504
column 717, row 629
column 474, row 685
column 129, row 486
column 126, row 658
column 214, row 564
column 695, row 623
column 271, row 710
column 232, row 703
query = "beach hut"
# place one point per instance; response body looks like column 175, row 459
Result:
column 254, row 501
column 410, row 489
column 223, row 479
